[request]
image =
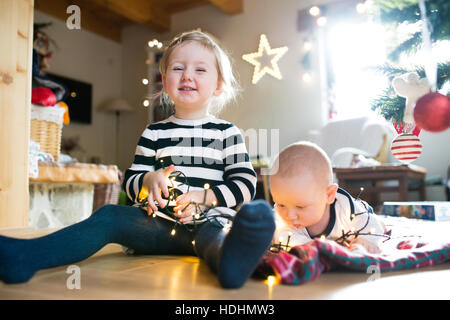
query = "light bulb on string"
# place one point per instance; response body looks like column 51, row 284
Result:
column 306, row 77
column 314, row 11
column 307, row 46
column 271, row 280
column 321, row 21
column 361, row 8
column 227, row 228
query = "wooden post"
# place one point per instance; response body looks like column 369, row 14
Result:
column 16, row 38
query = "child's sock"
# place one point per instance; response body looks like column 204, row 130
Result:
column 248, row 239
column 15, row 267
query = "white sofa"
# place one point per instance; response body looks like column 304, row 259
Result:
column 341, row 139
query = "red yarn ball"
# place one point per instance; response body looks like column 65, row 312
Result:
column 432, row 112
column 43, row 96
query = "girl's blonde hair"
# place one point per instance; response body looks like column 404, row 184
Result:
column 230, row 86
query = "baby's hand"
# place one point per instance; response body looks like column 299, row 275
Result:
column 156, row 182
column 364, row 246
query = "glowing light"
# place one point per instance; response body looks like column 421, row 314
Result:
column 322, row 237
column 271, row 57
column 321, row 21
column 271, row 280
column 306, row 77
column 145, row 81
column 227, row 228
column 314, row 11
column 155, row 43
column 307, row 46
column 143, row 193
column 206, row 186
column 361, row 8
column 146, row 103
column 214, row 203
column 172, row 233
column 193, row 242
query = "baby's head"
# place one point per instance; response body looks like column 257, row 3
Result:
column 301, row 184
column 225, row 77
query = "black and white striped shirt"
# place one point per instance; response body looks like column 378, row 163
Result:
column 207, row 150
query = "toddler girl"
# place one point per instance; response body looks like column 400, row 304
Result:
column 196, row 76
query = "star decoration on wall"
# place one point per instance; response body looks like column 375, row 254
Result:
column 265, row 60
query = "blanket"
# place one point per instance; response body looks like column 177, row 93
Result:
column 307, row 262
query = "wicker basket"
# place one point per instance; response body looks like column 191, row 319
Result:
column 47, row 132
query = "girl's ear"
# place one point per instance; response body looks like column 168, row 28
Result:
column 219, row 88
column 331, row 193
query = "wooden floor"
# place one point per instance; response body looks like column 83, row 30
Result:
column 110, row 274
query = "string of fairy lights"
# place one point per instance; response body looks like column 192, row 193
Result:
column 154, row 46
column 203, row 212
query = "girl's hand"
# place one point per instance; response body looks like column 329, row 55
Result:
column 185, row 210
column 155, row 182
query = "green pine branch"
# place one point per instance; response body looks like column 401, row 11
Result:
column 390, row 106
column 396, row 12
column 388, row 103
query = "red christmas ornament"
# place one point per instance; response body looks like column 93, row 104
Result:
column 43, row 96
column 432, row 112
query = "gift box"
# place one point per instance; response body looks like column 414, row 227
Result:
column 428, row 210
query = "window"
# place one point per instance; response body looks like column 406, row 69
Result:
column 353, row 50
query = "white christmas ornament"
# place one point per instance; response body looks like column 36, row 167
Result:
column 411, row 87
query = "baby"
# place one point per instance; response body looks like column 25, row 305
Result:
column 309, row 205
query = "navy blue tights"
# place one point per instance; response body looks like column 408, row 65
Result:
column 233, row 256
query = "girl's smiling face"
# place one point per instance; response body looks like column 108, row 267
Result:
column 191, row 79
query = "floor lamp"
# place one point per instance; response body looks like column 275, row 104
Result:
column 117, row 106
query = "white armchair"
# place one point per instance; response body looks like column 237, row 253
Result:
column 343, row 139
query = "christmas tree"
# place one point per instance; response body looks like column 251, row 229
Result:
column 397, row 12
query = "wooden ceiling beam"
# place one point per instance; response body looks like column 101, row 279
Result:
column 230, row 7
column 89, row 21
column 143, row 12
